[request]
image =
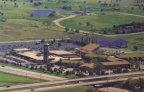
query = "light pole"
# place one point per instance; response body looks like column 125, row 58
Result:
column 107, row 83
column 40, row 76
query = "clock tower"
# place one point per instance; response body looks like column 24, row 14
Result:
column 46, row 53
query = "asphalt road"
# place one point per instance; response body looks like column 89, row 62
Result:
column 68, row 80
column 74, row 85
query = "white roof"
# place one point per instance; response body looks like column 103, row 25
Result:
column 60, row 52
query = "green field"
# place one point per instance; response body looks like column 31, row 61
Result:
column 20, row 25
column 39, row 71
column 100, row 21
column 73, row 89
column 134, row 40
column 11, row 79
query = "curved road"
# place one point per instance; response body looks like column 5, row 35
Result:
column 57, row 22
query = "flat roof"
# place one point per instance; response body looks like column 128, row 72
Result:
column 60, row 52
column 31, row 54
column 90, row 65
column 34, row 55
column 89, row 47
column 130, row 56
column 114, row 59
column 115, row 63
column 95, row 55
column 21, row 49
column 71, row 61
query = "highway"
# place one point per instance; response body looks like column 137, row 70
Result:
column 69, row 80
column 78, row 84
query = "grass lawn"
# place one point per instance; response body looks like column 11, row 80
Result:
column 20, row 26
column 100, row 21
column 44, row 72
column 11, row 79
column 72, row 89
column 134, row 40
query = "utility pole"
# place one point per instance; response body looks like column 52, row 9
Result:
column 107, row 83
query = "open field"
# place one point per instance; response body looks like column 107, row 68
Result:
column 39, row 71
column 135, row 40
column 73, row 89
column 100, row 22
column 11, row 79
column 21, row 24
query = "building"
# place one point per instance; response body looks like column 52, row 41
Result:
column 113, row 63
column 14, row 51
column 89, row 48
column 63, row 53
column 45, row 53
column 87, row 67
column 36, row 56
column 139, row 57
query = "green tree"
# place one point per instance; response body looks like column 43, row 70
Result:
column 135, row 47
column 141, row 83
column 119, row 70
column 66, row 29
column 90, row 90
column 129, row 84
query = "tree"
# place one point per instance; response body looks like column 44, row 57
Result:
column 66, row 29
column 67, row 72
column 99, row 66
column 89, row 90
column 43, row 40
column 41, row 68
column 32, row 67
column 129, row 84
column 125, row 70
column 80, row 23
column 52, row 13
column 59, row 44
column 46, row 23
column 141, row 83
column 135, row 47
column 119, row 70
column 88, row 23
column 77, row 31
column 55, row 69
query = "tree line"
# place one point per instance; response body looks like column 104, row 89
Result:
column 133, row 27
